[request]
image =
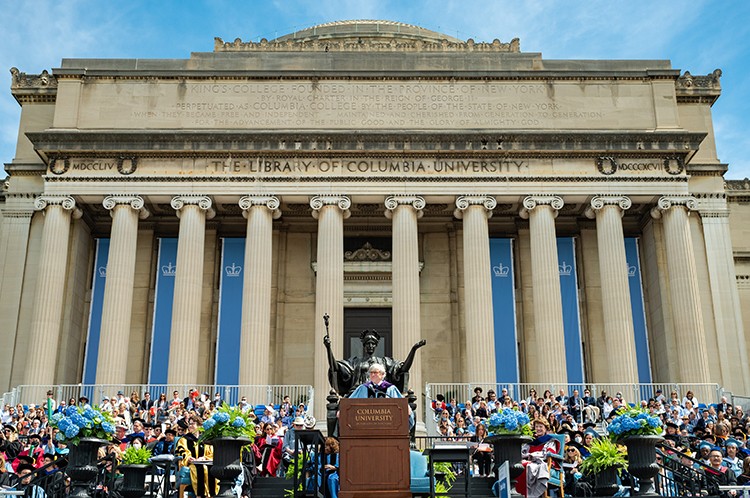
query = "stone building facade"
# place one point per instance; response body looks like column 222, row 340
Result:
column 378, row 172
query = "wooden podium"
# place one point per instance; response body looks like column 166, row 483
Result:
column 374, row 448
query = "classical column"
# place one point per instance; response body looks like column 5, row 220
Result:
column 330, row 211
column 404, row 210
column 613, row 269
column 683, row 287
column 475, row 210
column 44, row 336
column 118, row 290
column 193, row 210
column 724, row 295
column 14, row 244
column 260, row 211
column 550, row 366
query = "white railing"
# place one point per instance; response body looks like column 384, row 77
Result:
column 631, row 393
column 255, row 394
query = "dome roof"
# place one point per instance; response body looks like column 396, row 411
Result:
column 366, row 29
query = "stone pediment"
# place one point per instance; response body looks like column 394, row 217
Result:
column 366, row 36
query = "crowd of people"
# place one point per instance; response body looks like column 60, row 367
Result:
column 712, row 438
column 28, row 441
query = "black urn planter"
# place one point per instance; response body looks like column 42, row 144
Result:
column 642, row 461
column 81, row 467
column 605, row 482
column 508, row 448
column 227, row 464
column 134, row 480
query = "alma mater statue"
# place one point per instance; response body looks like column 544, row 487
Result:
column 346, row 375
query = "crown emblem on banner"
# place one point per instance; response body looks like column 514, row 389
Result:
column 501, row 270
column 234, row 270
column 565, row 269
column 631, row 270
column 168, row 270
column 103, row 271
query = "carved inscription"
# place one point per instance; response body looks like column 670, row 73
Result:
column 369, row 105
column 367, row 167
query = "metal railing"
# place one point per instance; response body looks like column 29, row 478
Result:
column 631, row 393
column 255, row 394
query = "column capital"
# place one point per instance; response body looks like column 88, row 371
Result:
column 530, row 202
column 203, row 202
column 67, row 202
column 669, row 201
column 319, row 201
column 598, row 202
column 134, row 201
column 463, row 202
column 271, row 202
column 394, row 201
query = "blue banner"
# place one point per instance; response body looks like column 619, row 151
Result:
column 504, row 310
column 639, row 312
column 230, row 311
column 566, row 260
column 162, row 328
column 91, row 356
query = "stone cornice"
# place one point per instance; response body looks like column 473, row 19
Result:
column 392, row 43
column 33, row 87
column 195, row 143
column 702, row 89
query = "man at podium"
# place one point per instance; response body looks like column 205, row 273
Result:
column 377, row 386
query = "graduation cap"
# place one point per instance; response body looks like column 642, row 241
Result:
column 671, row 423
column 732, row 442
column 24, row 466
column 35, row 436
column 705, row 444
column 25, row 460
column 170, row 431
column 587, row 425
column 182, row 423
column 591, row 431
column 10, row 427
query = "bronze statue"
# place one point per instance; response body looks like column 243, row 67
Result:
column 346, row 375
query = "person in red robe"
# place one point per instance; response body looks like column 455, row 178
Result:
column 537, row 450
column 269, row 445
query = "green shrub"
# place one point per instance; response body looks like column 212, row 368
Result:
column 604, row 455
column 136, row 456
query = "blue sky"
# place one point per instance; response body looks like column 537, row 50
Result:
column 698, row 36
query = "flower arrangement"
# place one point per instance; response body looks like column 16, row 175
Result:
column 634, row 422
column 605, row 454
column 136, row 456
column 509, row 422
column 227, row 422
column 77, row 422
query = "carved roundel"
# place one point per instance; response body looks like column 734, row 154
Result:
column 674, row 165
column 59, row 165
column 606, row 165
column 126, row 165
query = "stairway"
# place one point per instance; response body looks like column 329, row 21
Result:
column 480, row 486
column 270, row 487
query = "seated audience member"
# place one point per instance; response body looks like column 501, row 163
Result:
column 533, row 482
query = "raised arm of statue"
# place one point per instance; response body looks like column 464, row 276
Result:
column 406, row 365
column 331, row 360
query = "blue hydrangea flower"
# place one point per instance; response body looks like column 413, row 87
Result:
column 60, row 436
column 80, row 420
column 108, row 428
column 221, row 417
column 71, row 431
column 209, row 423
column 57, row 417
column 238, row 422
column 654, row 421
column 71, row 410
column 64, row 423
column 90, row 413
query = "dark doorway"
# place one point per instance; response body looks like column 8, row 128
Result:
column 358, row 319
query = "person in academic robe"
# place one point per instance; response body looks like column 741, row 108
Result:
column 718, row 474
column 270, row 446
column 378, row 387
column 191, row 451
column 534, row 460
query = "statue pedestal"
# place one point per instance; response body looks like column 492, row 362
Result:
column 374, row 448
